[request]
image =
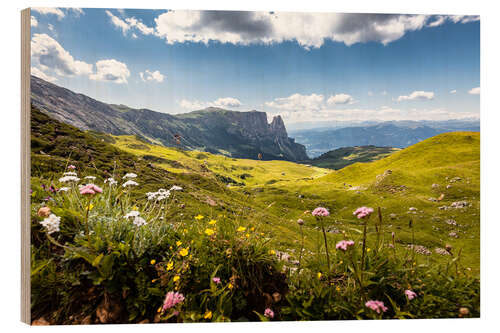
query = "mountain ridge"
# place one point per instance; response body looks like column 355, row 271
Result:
column 232, row 133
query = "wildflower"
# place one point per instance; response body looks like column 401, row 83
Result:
column 209, row 231
column 178, row 243
column 89, row 207
column 320, row 211
column 300, row 222
column 44, row 211
column 170, row 266
column 230, row 285
column 184, row 252
column 90, row 189
column 130, row 183
column 241, row 229
column 132, row 213
column 463, row 311
column 172, row 299
column 90, row 177
column 216, row 280
column 71, row 167
column 269, row 313
column 199, row 217
column 51, row 223
column 272, row 252
column 70, row 173
column 319, row 275
column 159, row 195
column 176, row 278
column 176, row 188
column 344, row 245
column 152, row 262
column 63, row 189
column 212, row 222
column 111, row 181
column 139, row 221
column 362, row 212
column 376, row 306
column 66, row 179
column 207, row 315
column 130, row 175
column 410, row 294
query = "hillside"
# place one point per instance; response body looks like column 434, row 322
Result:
column 342, row 157
column 398, row 134
column 231, row 133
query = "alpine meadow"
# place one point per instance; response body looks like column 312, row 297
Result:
column 218, row 166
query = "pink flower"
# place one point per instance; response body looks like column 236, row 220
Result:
column 362, row 212
column 320, row 211
column 376, row 306
column 172, row 299
column 90, row 189
column 216, row 280
column 71, row 166
column 410, row 294
column 269, row 313
column 344, row 244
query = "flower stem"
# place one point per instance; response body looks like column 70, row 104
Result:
column 87, row 220
column 326, row 244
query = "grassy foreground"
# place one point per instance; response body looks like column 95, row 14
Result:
column 235, row 239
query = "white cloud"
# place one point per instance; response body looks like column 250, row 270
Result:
column 76, row 11
column 227, row 102
column 441, row 19
column 223, row 102
column 475, row 91
column 417, row 96
column 51, row 27
column 297, row 102
column 38, row 73
column 384, row 93
column 129, row 23
column 340, row 99
column 111, row 70
column 34, row 21
column 49, row 10
column 370, row 93
column 47, row 53
column 151, row 76
column 310, row 30
column 454, row 91
column 376, row 114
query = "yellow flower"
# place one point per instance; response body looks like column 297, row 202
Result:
column 252, row 228
column 337, row 288
column 247, row 235
column 89, row 207
column 272, row 252
column 170, row 247
column 159, row 310
column 134, row 208
column 199, row 217
column 368, row 250
column 212, row 222
column 178, row 243
column 153, row 281
column 230, row 285
column 241, row 229
column 207, row 315
column 319, row 275
column 153, row 262
column 170, row 266
column 176, row 278
column 209, row 232
column 184, row 252
column 341, row 262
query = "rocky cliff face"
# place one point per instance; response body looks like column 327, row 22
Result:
column 233, row 133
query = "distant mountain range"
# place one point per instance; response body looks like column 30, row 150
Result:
column 215, row 130
column 397, row 134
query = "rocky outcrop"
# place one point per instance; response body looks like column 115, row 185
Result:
column 215, row 130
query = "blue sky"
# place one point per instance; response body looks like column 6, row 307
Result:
column 310, row 68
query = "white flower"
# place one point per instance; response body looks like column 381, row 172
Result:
column 161, row 194
column 90, row 177
column 139, row 221
column 130, row 183
column 69, row 179
column 132, row 213
column 176, row 188
column 130, row 175
column 51, row 223
column 64, row 189
column 111, row 181
column 70, row 173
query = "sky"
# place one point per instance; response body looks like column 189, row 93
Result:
column 310, row 68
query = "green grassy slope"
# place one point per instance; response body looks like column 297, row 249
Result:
column 342, row 157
